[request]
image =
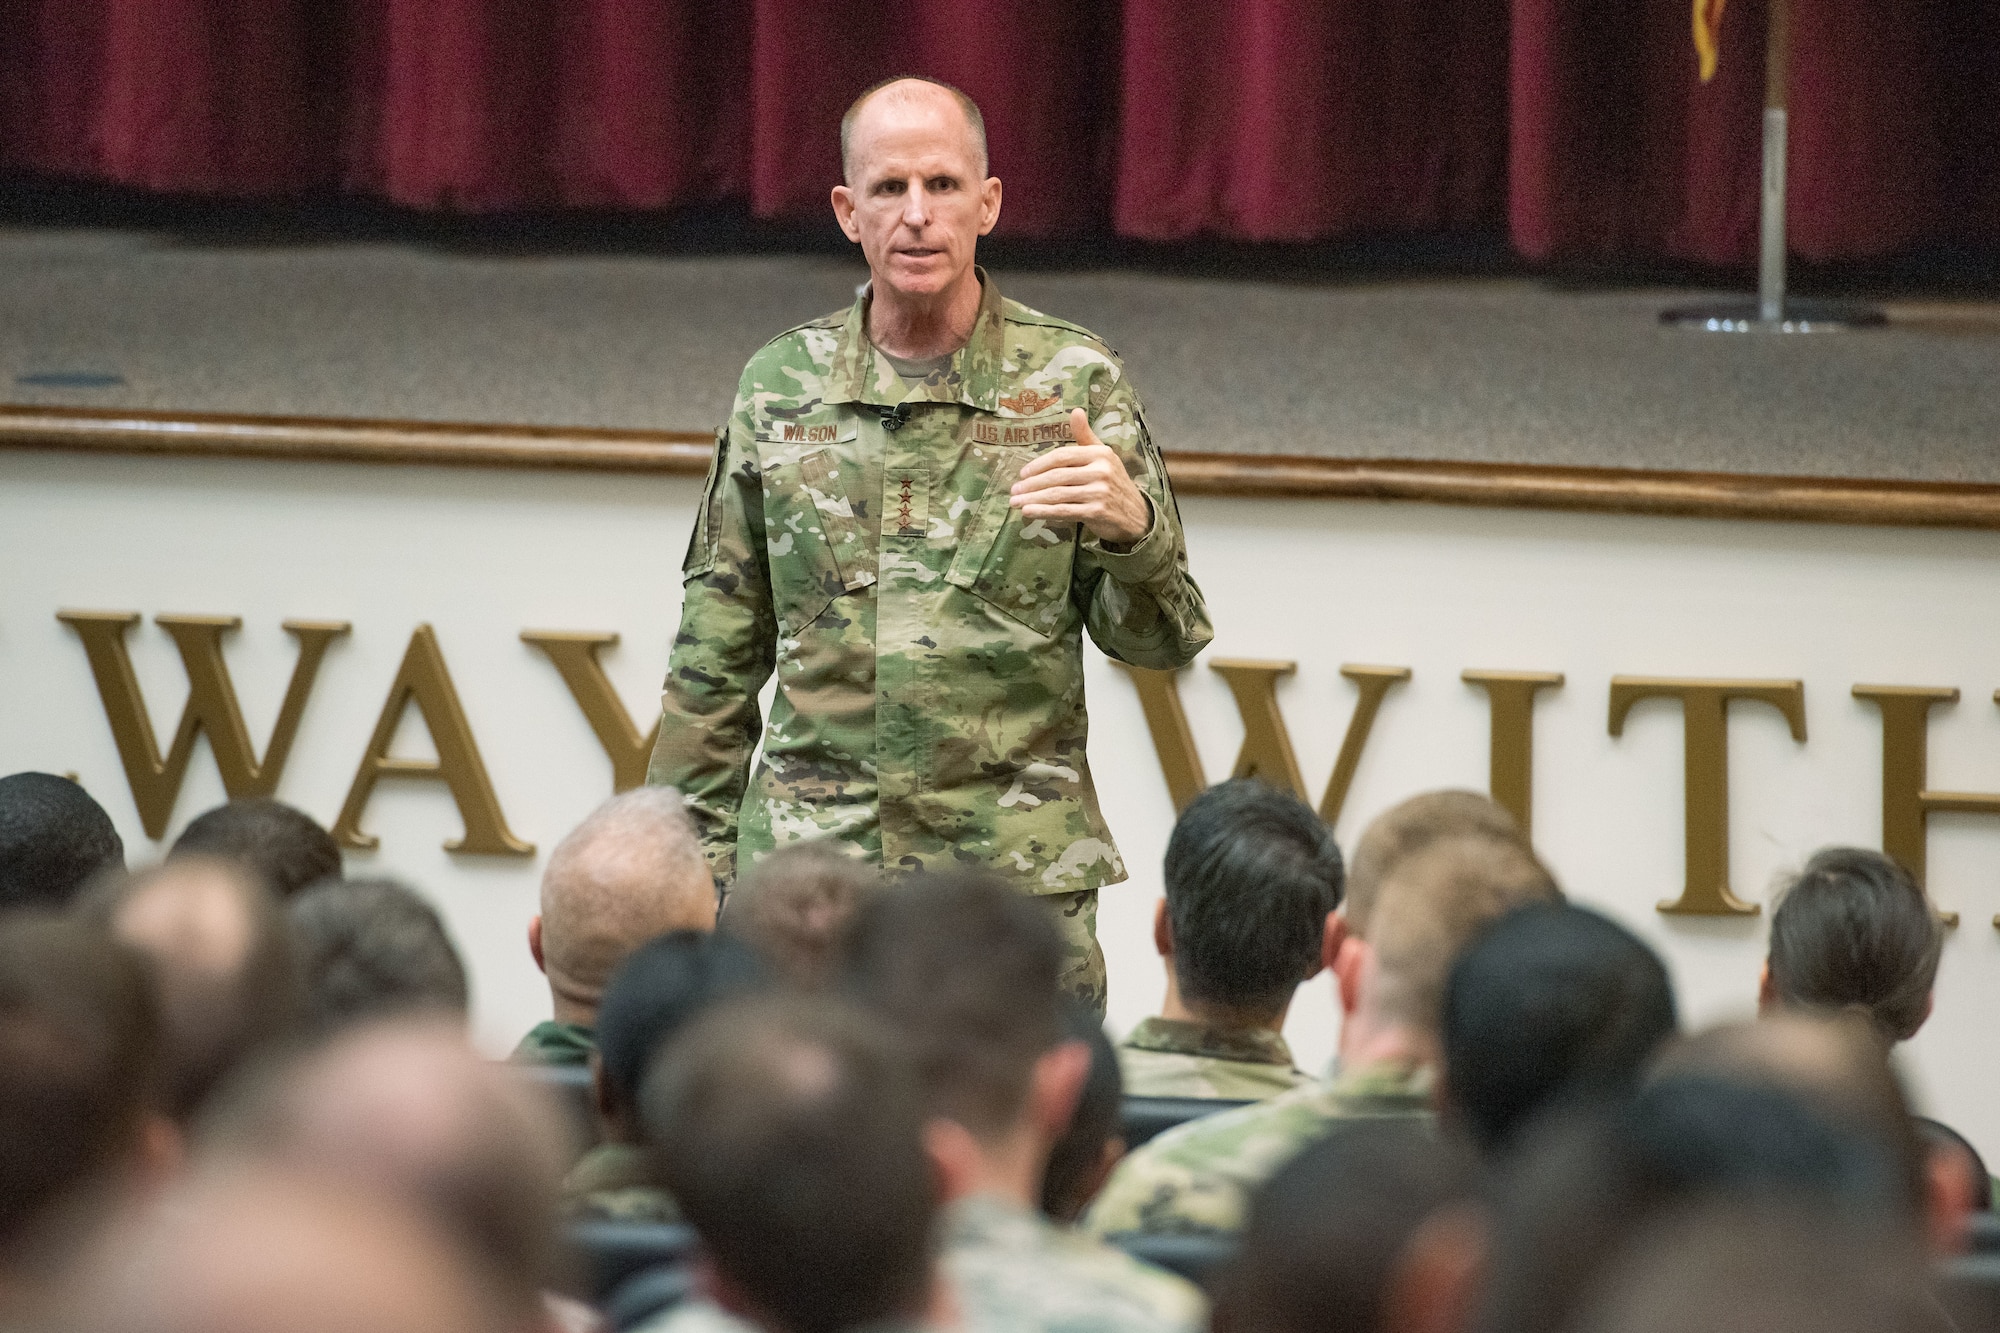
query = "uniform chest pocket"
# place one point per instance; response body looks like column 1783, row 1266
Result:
column 1020, row 567
column 818, row 550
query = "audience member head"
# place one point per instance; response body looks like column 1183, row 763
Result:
column 1854, row 931
column 658, row 990
column 1429, row 906
column 222, row 957
column 53, row 839
column 1552, row 1003
column 794, row 904
column 407, row 1107
column 631, row 870
column 279, row 844
column 1251, row 874
column 1369, row 1228
column 1728, row 1267
column 269, row 1251
column 1410, row 827
column 1083, row 1158
column 791, row 1132
column 79, row 1047
column 965, row 968
column 373, row 949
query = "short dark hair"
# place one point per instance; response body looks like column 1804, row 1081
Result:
column 1855, row 930
column 53, row 839
column 1553, row 1003
column 1076, row 1162
column 215, row 1019
column 1251, row 874
column 657, row 990
column 794, row 905
column 790, row 1131
column 965, row 967
column 371, row 948
column 283, row 846
column 80, row 1043
column 1323, row 1235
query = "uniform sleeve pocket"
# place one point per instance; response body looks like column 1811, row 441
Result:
column 706, row 538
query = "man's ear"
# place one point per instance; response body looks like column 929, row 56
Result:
column 1767, row 994
column 1435, row 1279
column 843, row 211
column 1352, row 961
column 989, row 203
column 1163, row 930
column 1948, row 1199
column 1055, row 1086
column 535, row 942
column 955, row 1158
column 1331, row 937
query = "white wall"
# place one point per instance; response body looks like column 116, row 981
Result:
column 482, row 556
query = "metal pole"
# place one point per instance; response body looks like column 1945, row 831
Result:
column 1771, row 266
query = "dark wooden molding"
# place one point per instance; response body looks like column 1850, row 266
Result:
column 1269, row 476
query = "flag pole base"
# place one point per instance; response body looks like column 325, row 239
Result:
column 1798, row 317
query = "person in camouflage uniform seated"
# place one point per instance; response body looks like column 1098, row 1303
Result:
column 633, row 869
column 1253, row 875
column 660, row 989
column 917, row 507
column 1436, row 877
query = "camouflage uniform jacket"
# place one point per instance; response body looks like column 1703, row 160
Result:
column 552, row 1043
column 1166, row 1057
column 855, row 537
column 1011, row 1266
column 1198, row 1177
column 613, row 1181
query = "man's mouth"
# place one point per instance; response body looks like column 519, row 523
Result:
column 917, row 252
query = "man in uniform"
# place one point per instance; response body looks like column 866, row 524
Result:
column 917, row 506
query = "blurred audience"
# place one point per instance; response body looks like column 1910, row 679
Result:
column 372, row 949
column 965, row 970
column 662, row 987
column 631, row 870
column 222, row 956
column 1428, row 897
column 279, row 1251
column 792, row 1132
column 1854, row 931
column 53, row 840
column 79, row 1074
column 1252, row 875
column 1553, row 1004
column 794, row 905
column 407, row 1108
column 1083, row 1158
column 282, row 846
column 1372, row 1227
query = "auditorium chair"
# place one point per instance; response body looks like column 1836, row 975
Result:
column 570, row 1086
column 1143, row 1117
column 1195, row 1257
column 607, row 1254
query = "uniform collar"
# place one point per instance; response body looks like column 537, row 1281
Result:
column 1256, row 1046
column 860, row 376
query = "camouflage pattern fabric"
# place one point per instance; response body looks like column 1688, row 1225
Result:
column 1011, row 1266
column 1083, row 958
column 1166, row 1057
column 612, row 1181
column 552, row 1043
column 1012, row 1271
column 1198, row 1177
column 855, row 538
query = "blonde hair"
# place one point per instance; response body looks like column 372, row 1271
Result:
column 1408, row 828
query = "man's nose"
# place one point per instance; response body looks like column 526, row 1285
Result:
column 916, row 206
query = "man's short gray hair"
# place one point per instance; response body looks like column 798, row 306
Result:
column 973, row 120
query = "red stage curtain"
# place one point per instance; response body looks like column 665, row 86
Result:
column 1577, row 123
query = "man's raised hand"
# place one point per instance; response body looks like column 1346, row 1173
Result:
column 1085, row 482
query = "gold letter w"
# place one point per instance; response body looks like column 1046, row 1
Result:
column 211, row 706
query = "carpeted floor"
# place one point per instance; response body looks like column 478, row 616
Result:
column 1498, row 369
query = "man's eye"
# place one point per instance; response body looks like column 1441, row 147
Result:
column 889, row 187
column 940, row 184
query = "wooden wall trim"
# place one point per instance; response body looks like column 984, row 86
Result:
column 1269, row 476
